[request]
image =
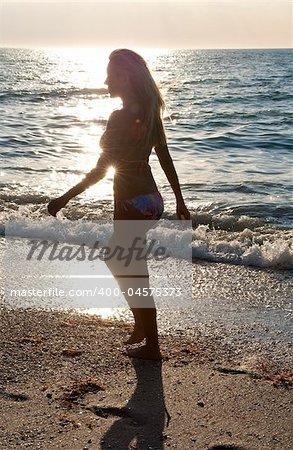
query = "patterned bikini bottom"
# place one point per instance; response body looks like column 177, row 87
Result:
column 141, row 207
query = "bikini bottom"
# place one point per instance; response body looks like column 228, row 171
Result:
column 143, row 211
column 141, row 207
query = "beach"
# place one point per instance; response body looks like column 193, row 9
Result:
column 66, row 382
column 225, row 380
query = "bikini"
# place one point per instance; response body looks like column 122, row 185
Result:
column 144, row 206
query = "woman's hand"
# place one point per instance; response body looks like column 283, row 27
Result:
column 182, row 212
column 55, row 205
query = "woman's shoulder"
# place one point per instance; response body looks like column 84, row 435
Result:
column 125, row 117
column 118, row 118
column 115, row 117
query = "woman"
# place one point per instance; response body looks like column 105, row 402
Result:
column 131, row 134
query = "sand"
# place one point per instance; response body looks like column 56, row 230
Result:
column 67, row 384
column 224, row 383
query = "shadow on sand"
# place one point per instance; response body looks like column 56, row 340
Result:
column 141, row 421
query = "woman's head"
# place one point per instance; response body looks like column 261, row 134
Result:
column 129, row 78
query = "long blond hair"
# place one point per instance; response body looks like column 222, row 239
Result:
column 146, row 92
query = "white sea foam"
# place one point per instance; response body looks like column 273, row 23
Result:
column 76, row 232
column 260, row 248
column 250, row 248
column 276, row 254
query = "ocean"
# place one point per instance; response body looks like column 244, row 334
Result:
column 229, row 128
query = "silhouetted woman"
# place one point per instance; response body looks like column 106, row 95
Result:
column 131, row 134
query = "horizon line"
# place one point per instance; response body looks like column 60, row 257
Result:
column 139, row 47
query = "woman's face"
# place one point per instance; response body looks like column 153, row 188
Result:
column 116, row 81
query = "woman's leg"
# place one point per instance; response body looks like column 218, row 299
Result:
column 124, row 279
column 145, row 315
column 136, row 277
column 138, row 333
column 148, row 318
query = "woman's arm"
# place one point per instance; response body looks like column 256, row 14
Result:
column 91, row 178
column 108, row 142
column 171, row 174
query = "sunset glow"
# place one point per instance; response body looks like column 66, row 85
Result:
column 173, row 24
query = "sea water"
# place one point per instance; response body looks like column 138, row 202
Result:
column 229, row 127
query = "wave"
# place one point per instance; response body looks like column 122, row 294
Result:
column 24, row 170
column 264, row 248
column 74, row 120
column 261, row 247
column 247, row 187
column 228, row 216
column 40, row 95
column 21, row 199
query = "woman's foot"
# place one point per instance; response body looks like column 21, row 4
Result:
column 136, row 336
column 145, row 352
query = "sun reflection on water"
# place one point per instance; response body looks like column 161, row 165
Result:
column 81, row 117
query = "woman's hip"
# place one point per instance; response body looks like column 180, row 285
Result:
column 140, row 207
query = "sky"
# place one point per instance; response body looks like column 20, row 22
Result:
column 161, row 24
